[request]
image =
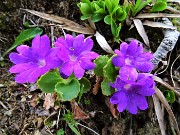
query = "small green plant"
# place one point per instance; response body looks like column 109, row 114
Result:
column 68, row 117
column 159, row 5
column 139, row 5
column 60, row 132
column 109, row 10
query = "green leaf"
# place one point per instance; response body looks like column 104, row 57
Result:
column 73, row 128
column 109, row 5
column 100, row 11
column 115, row 3
column 107, row 19
column 24, row 36
column 48, row 81
column 67, row 92
column 60, row 132
column 85, row 8
column 121, row 14
column 113, row 27
column 97, row 17
column 139, row 6
column 110, row 72
column 85, row 86
column 106, row 88
column 84, row 17
column 170, row 96
column 159, row 6
column 100, row 62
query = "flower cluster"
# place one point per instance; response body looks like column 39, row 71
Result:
column 133, row 82
column 72, row 54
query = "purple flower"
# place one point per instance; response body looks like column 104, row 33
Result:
column 131, row 95
column 32, row 62
column 76, row 54
column 133, row 55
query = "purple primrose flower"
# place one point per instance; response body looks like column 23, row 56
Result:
column 132, row 55
column 131, row 95
column 32, row 62
column 76, row 54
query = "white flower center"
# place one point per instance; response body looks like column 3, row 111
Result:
column 41, row 63
column 73, row 57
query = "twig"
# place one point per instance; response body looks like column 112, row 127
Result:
column 58, row 118
column 171, row 70
column 87, row 128
column 167, row 44
column 3, row 105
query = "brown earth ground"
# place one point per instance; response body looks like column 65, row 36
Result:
column 17, row 114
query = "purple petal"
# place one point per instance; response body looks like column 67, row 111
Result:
column 139, row 50
column 132, row 48
column 67, row 68
column 128, row 74
column 120, row 98
column 140, row 102
column 62, row 52
column 81, row 45
column 144, row 57
column 69, row 39
column 123, row 48
column 23, row 49
column 119, row 84
column 88, row 55
column 23, row 76
column 22, row 67
column 132, row 106
column 144, row 66
column 17, row 58
column 118, row 61
column 33, row 76
column 52, row 61
column 41, row 45
column 87, row 64
column 145, row 91
column 62, row 42
column 78, row 70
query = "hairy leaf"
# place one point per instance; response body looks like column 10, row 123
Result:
column 67, row 92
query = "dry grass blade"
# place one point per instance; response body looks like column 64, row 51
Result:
column 168, row 108
column 166, row 85
column 174, row 1
column 159, row 25
column 157, row 15
column 175, row 11
column 65, row 23
column 141, row 31
column 103, row 43
column 159, row 114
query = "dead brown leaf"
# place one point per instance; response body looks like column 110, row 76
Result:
column 49, row 101
column 159, row 25
column 157, row 15
column 65, row 23
column 112, row 108
column 77, row 111
column 34, row 100
column 103, row 43
column 168, row 108
column 159, row 114
column 165, row 84
column 97, row 85
column 141, row 31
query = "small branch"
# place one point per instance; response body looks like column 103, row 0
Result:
column 87, row 128
column 167, row 44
